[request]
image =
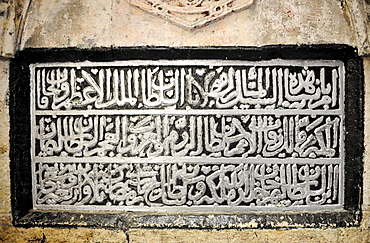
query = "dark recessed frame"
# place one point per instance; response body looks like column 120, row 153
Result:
column 349, row 214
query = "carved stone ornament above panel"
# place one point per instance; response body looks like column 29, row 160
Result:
column 191, row 13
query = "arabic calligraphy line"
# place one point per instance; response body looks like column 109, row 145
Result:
column 221, row 87
column 191, row 185
column 145, row 136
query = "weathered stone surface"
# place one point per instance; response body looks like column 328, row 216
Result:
column 264, row 22
column 13, row 14
column 7, row 29
column 57, row 235
column 69, row 23
column 358, row 12
column 11, row 234
column 301, row 22
column 298, row 235
column 4, row 139
column 189, row 13
column 106, row 23
column 55, row 23
column 4, row 113
column 4, row 186
column 365, row 223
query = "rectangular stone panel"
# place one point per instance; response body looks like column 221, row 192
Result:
column 188, row 135
column 192, row 135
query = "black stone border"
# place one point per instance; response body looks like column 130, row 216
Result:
column 20, row 141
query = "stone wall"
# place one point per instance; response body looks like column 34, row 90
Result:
column 105, row 23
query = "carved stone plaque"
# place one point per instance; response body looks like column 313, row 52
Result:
column 188, row 135
column 191, row 13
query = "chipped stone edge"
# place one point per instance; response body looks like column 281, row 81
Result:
column 129, row 220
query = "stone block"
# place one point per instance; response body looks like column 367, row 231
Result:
column 57, row 235
column 259, row 236
column 83, row 24
column 86, row 24
column 4, row 187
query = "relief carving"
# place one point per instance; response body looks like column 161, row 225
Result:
column 188, row 135
column 191, row 13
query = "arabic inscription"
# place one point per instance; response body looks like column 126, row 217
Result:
column 188, row 135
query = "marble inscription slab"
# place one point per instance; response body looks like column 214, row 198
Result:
column 188, row 135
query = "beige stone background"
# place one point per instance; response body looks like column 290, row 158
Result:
column 105, row 23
